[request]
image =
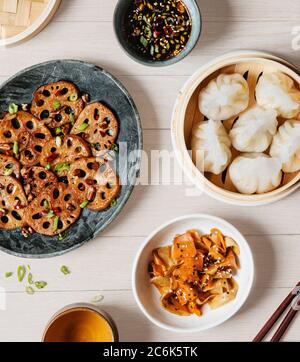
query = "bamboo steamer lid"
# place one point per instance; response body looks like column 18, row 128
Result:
column 20, row 20
column 186, row 113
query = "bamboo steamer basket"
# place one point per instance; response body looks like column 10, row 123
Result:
column 20, row 20
column 186, row 113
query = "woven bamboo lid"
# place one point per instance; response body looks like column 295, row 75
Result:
column 22, row 19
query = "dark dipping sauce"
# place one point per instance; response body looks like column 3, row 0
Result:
column 158, row 30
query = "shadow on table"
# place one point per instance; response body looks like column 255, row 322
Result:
column 216, row 22
column 264, row 266
column 138, row 331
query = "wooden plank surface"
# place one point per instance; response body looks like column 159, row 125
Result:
column 83, row 30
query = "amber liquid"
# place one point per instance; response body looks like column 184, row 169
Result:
column 79, row 325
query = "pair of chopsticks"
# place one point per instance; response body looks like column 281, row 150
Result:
column 278, row 313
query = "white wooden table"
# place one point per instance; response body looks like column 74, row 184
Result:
column 83, row 30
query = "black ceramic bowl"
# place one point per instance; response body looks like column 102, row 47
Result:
column 121, row 11
column 102, row 87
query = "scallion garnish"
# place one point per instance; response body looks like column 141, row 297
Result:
column 65, row 270
column 55, row 223
column 84, row 204
column 62, row 236
column 58, row 130
column 56, row 105
column 21, row 272
column 72, row 119
column 115, row 148
column 51, row 214
column 30, row 278
column 83, row 126
column 64, row 166
column 13, row 108
column 16, row 148
column 40, row 284
column 113, row 203
column 73, row 97
column 29, row 290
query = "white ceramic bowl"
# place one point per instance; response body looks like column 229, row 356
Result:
column 148, row 298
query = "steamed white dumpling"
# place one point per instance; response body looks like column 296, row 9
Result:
column 255, row 173
column 254, row 130
column 277, row 91
column 211, row 146
column 224, row 97
column 286, row 146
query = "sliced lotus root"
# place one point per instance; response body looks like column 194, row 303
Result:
column 36, row 180
column 97, row 125
column 60, row 152
column 53, row 211
column 95, row 182
column 57, row 104
column 13, row 203
column 9, row 166
column 23, row 136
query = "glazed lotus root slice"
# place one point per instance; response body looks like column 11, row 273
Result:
column 9, row 166
column 36, row 180
column 95, row 182
column 13, row 203
column 57, row 104
column 53, row 211
column 60, row 152
column 23, row 137
column 97, row 125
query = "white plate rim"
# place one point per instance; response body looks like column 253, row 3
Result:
column 213, row 324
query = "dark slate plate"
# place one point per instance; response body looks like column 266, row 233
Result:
column 102, row 87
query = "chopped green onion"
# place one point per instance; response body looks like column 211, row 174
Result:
column 45, row 204
column 115, row 148
column 65, row 270
column 62, row 236
column 72, row 119
column 21, row 273
column 30, row 278
column 48, row 167
column 58, row 130
column 84, row 204
column 55, row 223
column 83, row 126
column 62, row 167
column 40, row 285
column 8, row 172
column 13, row 108
column 97, row 299
column 8, row 274
column 56, row 105
column 73, row 97
column 29, row 290
column 144, row 41
column 113, row 203
column 51, row 214
column 16, row 148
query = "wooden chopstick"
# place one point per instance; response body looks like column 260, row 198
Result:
column 273, row 319
column 284, row 325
